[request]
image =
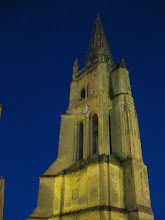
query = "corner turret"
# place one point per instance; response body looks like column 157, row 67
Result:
column 75, row 69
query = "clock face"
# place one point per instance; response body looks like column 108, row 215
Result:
column 85, row 109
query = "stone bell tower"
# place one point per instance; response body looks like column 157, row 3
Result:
column 99, row 173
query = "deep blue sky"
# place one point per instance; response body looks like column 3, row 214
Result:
column 39, row 40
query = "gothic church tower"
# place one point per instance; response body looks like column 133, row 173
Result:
column 99, row 173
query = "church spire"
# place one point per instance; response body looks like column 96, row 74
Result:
column 98, row 47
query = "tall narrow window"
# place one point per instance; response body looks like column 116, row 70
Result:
column 95, row 133
column 88, row 90
column 80, row 141
column 82, row 94
column 110, row 139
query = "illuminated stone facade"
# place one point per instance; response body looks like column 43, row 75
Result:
column 2, row 184
column 99, row 173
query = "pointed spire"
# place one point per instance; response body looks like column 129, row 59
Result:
column 98, row 47
column 75, row 69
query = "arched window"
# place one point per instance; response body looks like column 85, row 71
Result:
column 83, row 94
column 88, row 90
column 80, row 141
column 93, row 134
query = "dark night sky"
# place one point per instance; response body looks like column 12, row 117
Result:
column 39, row 40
